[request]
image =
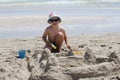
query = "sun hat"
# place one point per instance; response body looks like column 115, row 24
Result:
column 54, row 15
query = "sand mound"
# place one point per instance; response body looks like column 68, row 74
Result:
column 96, row 63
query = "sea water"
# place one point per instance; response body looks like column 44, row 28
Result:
column 79, row 16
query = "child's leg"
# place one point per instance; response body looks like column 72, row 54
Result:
column 59, row 40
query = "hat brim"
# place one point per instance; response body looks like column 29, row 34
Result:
column 55, row 17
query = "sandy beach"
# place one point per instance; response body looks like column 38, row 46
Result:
column 93, row 29
column 99, row 60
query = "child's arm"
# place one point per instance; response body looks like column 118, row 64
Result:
column 45, row 37
column 66, row 41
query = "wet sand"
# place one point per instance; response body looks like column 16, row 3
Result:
column 34, row 26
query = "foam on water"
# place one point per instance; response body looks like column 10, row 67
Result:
column 44, row 2
column 100, row 16
column 59, row 0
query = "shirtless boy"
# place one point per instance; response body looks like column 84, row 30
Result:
column 54, row 34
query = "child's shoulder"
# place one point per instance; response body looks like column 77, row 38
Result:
column 48, row 27
column 61, row 28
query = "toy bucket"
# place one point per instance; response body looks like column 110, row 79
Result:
column 22, row 54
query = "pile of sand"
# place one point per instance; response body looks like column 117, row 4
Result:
column 100, row 59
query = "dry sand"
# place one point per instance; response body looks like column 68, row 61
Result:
column 100, row 59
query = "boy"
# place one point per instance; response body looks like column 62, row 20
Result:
column 55, row 34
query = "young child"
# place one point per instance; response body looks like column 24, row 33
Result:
column 54, row 35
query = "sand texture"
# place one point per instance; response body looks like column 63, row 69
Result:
column 99, row 59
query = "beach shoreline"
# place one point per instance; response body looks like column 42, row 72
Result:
column 34, row 26
column 93, row 30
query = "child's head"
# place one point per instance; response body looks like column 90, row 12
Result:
column 54, row 19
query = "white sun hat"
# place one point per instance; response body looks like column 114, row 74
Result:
column 53, row 15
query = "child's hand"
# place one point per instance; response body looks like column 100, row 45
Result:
column 49, row 44
column 68, row 46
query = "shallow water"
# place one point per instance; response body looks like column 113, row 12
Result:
column 77, row 18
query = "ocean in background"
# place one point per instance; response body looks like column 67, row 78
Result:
column 28, row 18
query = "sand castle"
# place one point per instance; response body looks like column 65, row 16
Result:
column 96, row 63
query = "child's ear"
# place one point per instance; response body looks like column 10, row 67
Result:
column 49, row 22
column 59, row 21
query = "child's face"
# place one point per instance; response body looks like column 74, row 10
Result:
column 54, row 21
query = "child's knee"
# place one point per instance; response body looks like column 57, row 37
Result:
column 60, row 34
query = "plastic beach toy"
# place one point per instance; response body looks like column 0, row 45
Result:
column 77, row 52
column 21, row 54
column 54, row 46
